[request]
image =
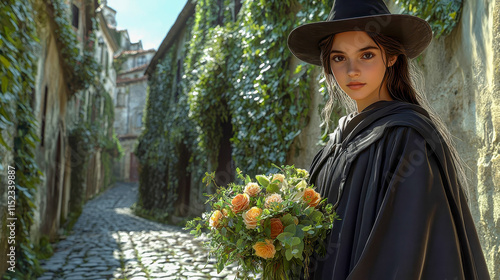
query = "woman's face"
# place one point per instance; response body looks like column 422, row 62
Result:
column 358, row 66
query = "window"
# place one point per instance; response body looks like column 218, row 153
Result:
column 178, row 79
column 141, row 60
column 44, row 113
column 100, row 42
column 106, row 62
column 220, row 19
column 139, row 120
column 120, row 99
column 75, row 13
column 179, row 70
column 237, row 8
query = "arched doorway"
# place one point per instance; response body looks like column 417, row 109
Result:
column 225, row 165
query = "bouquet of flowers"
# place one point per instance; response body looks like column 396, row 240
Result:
column 270, row 225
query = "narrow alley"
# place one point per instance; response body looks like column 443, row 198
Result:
column 109, row 242
column 111, row 109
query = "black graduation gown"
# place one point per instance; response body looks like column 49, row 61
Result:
column 403, row 213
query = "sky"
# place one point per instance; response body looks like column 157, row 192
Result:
column 146, row 20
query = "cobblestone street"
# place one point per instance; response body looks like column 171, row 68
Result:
column 109, row 242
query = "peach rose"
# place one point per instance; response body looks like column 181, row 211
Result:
column 250, row 217
column 311, row 197
column 240, row 203
column 276, row 227
column 279, row 177
column 215, row 219
column 272, row 198
column 252, row 189
column 264, row 250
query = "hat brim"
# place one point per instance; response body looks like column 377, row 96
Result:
column 414, row 33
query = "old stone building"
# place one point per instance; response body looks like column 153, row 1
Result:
column 131, row 85
column 61, row 111
column 462, row 80
column 57, row 109
column 129, row 61
column 72, row 101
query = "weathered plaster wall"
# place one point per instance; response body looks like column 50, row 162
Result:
column 104, row 55
column 122, row 166
column 135, row 60
column 128, row 118
column 137, row 102
column 129, row 108
column 306, row 145
column 50, row 155
column 462, row 83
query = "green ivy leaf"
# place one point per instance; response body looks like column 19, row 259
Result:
column 4, row 61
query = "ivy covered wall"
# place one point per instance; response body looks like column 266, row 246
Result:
column 17, row 71
column 45, row 70
column 228, row 93
column 235, row 90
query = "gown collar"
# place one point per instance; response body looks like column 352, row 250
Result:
column 355, row 122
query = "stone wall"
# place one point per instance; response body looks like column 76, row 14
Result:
column 462, row 79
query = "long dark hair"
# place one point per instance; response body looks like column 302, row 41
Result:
column 404, row 82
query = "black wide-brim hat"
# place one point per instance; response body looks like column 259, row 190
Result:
column 414, row 33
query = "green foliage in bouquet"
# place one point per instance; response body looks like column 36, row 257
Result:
column 270, row 225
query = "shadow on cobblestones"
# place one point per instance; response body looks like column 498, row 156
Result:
column 109, row 242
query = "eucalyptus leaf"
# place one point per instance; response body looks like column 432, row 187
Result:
column 291, row 229
column 263, row 180
column 272, row 188
column 288, row 254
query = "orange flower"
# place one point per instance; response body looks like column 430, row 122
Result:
column 311, row 197
column 272, row 198
column 265, row 250
column 276, row 227
column 252, row 189
column 250, row 217
column 215, row 219
column 240, row 202
column 279, row 177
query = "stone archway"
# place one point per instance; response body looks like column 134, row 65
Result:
column 225, row 165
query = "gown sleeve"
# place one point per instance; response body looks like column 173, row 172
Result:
column 414, row 230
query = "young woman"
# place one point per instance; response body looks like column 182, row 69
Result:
column 389, row 168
